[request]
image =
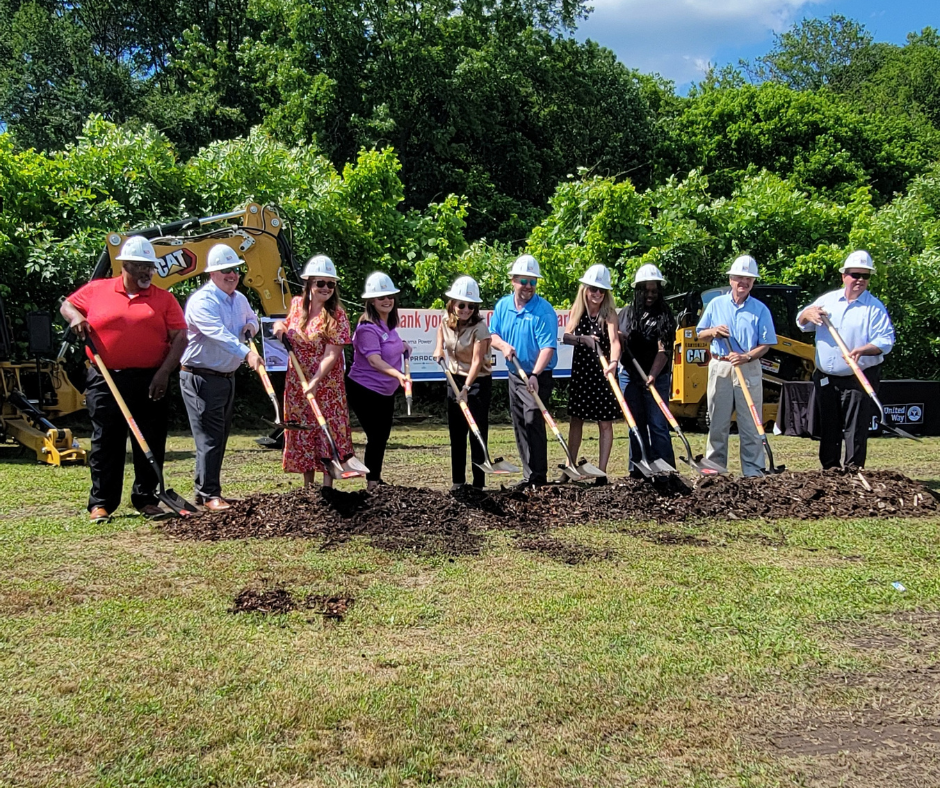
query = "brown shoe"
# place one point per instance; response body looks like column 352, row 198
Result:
column 151, row 510
column 99, row 515
column 217, row 505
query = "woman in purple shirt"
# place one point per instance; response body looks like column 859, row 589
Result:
column 376, row 373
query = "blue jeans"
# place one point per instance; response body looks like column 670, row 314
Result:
column 650, row 421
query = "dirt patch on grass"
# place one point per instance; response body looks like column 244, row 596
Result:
column 278, row 600
column 867, row 729
column 563, row 552
column 421, row 520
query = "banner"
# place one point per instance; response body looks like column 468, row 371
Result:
column 272, row 350
column 418, row 327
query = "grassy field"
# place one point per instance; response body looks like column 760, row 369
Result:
column 735, row 664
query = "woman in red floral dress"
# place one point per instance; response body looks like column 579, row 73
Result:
column 318, row 328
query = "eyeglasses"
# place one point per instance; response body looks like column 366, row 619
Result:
column 528, row 282
column 858, row 274
column 329, row 284
column 140, row 266
column 385, row 298
column 463, row 306
column 595, row 290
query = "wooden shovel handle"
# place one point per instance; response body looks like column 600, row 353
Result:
column 853, row 364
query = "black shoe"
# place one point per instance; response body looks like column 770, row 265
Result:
column 600, row 481
column 457, row 486
column 525, row 484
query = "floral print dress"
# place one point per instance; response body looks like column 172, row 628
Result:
column 309, row 450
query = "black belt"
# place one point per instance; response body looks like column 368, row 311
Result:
column 203, row 371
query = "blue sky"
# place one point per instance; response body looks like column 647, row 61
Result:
column 679, row 38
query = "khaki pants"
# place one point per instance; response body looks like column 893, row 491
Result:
column 725, row 396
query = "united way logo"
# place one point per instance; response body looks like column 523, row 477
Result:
column 915, row 414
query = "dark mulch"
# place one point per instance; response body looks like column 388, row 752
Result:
column 277, row 600
column 427, row 521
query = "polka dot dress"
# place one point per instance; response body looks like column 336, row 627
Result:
column 589, row 394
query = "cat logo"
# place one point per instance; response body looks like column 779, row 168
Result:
column 696, row 356
column 178, row 263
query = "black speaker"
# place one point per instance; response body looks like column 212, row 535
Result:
column 39, row 333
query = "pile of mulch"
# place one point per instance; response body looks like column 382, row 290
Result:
column 427, row 521
column 279, row 600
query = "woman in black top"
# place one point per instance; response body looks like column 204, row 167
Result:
column 648, row 330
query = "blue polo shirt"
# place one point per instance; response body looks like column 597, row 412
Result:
column 528, row 330
column 750, row 324
column 860, row 322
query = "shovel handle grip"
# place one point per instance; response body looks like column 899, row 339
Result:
column 262, row 371
column 853, row 364
column 538, row 400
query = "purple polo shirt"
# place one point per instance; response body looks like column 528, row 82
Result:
column 368, row 340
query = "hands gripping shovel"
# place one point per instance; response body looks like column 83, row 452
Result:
column 703, row 466
column 644, row 465
column 853, row 364
column 499, row 466
column 336, row 467
column 172, row 499
column 581, row 471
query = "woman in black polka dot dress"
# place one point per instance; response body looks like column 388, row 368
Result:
column 591, row 324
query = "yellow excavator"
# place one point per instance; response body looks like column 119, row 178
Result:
column 34, row 393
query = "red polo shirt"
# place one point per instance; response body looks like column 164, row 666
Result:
column 130, row 332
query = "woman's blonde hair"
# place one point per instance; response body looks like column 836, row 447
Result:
column 475, row 316
column 579, row 307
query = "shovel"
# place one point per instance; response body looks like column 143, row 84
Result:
column 579, row 472
column 647, row 468
column 408, row 399
column 499, row 466
column 266, row 382
column 885, row 424
column 172, row 499
column 336, row 468
column 703, row 466
column 758, row 422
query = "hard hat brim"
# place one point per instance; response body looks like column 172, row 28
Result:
column 592, row 283
column 370, row 296
column 136, row 258
column 320, row 276
column 460, row 297
column 224, row 267
column 845, row 268
column 739, row 273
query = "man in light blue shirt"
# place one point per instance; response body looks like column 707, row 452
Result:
column 864, row 325
column 525, row 325
column 741, row 330
column 217, row 317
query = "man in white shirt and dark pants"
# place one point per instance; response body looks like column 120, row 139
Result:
column 217, row 318
column 864, row 325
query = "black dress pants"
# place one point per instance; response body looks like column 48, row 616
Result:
column 478, row 401
column 109, row 437
column 845, row 413
column 529, row 426
column 375, row 413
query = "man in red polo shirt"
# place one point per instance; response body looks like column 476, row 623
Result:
column 140, row 333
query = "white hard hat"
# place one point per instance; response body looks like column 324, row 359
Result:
column 465, row 288
column 138, row 249
column 859, row 259
column 221, row 258
column 596, row 276
column 319, row 266
column 745, row 265
column 379, row 284
column 648, row 273
column 526, row 265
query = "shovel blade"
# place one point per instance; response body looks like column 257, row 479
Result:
column 899, row 432
column 661, row 467
column 643, row 467
column 355, row 467
column 498, row 467
column 705, row 467
column 177, row 503
column 583, row 470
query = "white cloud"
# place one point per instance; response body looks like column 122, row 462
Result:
column 679, row 38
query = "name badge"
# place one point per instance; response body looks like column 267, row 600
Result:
column 384, row 337
column 823, row 382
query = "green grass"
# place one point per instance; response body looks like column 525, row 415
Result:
column 120, row 663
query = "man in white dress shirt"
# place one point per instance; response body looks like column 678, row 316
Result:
column 217, row 319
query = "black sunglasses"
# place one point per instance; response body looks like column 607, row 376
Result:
column 859, row 274
column 592, row 289
column 463, row 306
column 329, row 284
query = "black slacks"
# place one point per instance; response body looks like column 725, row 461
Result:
column 375, row 412
column 478, row 401
column 845, row 413
column 529, row 426
column 109, row 437
column 210, row 405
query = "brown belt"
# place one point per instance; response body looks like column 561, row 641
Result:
column 203, row 371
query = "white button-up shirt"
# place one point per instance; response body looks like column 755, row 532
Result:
column 214, row 322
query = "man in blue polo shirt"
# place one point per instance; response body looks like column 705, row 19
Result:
column 525, row 325
column 741, row 330
column 863, row 323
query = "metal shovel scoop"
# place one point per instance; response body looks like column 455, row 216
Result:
column 703, row 466
column 578, row 472
column 174, row 500
column 408, row 398
column 644, row 465
column 499, row 466
column 335, row 467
